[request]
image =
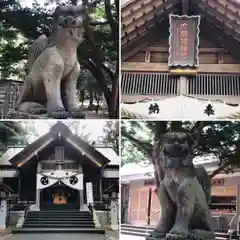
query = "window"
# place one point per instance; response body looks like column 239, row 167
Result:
column 70, row 166
column 59, row 154
column 48, row 166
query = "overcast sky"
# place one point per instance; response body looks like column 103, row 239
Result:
column 28, row 3
column 83, row 127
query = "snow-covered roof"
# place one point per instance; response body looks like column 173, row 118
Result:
column 107, row 152
column 9, row 154
column 110, row 154
column 136, row 171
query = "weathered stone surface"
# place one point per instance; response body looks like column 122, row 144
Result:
column 50, row 86
column 182, row 191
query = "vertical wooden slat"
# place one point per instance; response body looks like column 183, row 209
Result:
column 158, row 84
column 220, row 85
column 232, row 86
column 151, row 83
column 134, row 79
column 147, row 83
column 123, row 86
column 163, row 83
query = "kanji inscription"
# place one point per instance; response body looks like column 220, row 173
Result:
column 184, row 41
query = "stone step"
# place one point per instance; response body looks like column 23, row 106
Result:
column 52, row 225
column 127, row 226
column 59, row 213
column 58, row 230
column 143, row 230
column 57, row 221
column 59, row 217
column 133, row 233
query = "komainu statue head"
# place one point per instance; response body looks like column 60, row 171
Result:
column 176, row 148
column 69, row 19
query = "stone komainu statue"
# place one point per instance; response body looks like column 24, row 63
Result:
column 183, row 191
column 50, row 86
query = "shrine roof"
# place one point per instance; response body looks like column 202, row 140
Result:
column 5, row 188
column 10, row 153
column 145, row 20
column 59, row 131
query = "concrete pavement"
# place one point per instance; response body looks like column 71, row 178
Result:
column 54, row 236
column 129, row 237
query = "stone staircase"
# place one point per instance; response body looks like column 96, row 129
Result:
column 143, row 231
column 56, row 221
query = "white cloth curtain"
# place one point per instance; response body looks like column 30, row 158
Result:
column 180, row 107
column 78, row 185
column 41, row 186
column 62, row 176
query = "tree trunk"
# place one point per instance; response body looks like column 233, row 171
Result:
column 82, row 96
column 113, row 108
column 91, row 99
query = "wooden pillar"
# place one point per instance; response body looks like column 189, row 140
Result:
column 149, row 206
column 19, row 187
column 100, row 189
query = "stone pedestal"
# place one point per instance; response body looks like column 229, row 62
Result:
column 190, row 236
column 13, row 114
column 3, row 214
column 155, row 236
column 114, row 215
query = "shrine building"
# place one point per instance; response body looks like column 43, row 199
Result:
column 60, row 172
column 183, row 54
column 141, row 206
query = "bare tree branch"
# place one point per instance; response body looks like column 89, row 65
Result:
column 221, row 168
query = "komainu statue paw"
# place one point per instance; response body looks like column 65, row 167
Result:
column 38, row 111
column 58, row 114
column 157, row 235
column 189, row 236
column 179, row 230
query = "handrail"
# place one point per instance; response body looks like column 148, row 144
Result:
column 108, row 188
column 94, row 215
column 26, row 210
column 150, row 217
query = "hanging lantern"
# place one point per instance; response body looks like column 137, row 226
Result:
column 209, row 110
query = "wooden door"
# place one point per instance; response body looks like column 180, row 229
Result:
column 138, row 206
column 155, row 207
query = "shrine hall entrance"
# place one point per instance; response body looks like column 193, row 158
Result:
column 59, row 197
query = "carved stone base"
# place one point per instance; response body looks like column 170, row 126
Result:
column 169, row 236
column 13, row 114
column 190, row 236
column 152, row 238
